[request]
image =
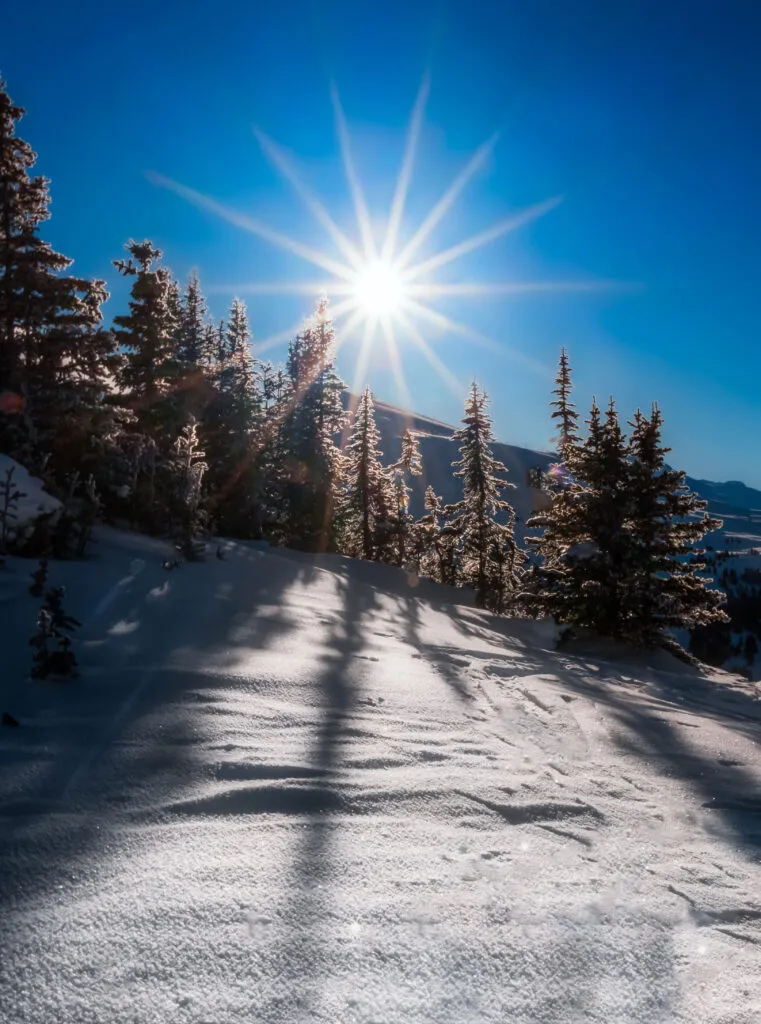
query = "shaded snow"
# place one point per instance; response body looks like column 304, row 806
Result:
column 33, row 501
column 293, row 790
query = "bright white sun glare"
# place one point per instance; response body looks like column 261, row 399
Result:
column 379, row 289
column 384, row 289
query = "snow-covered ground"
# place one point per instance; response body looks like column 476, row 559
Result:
column 31, row 501
column 288, row 789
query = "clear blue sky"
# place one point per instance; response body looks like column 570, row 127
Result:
column 643, row 116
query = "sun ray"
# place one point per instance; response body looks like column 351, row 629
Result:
column 446, row 201
column 273, row 340
column 405, row 174
column 441, row 368
column 504, row 227
column 241, row 220
column 279, row 159
column 345, row 330
column 403, row 394
column 333, row 288
column 451, row 326
column 360, row 206
column 363, row 356
column 478, row 290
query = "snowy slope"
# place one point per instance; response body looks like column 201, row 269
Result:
column 289, row 789
column 32, row 501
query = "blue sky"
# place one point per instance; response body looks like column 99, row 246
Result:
column 643, row 116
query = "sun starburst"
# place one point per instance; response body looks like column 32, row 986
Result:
column 383, row 292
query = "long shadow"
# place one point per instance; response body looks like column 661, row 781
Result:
column 313, row 873
column 724, row 787
column 62, row 807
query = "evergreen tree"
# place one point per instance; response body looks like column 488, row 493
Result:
column 364, row 510
column 315, row 418
column 192, row 324
column 667, row 520
column 233, row 431
column 148, row 333
column 195, row 346
column 272, row 449
column 581, row 579
column 480, row 535
column 410, row 463
column 186, row 468
column 564, row 411
column 435, row 546
column 55, row 361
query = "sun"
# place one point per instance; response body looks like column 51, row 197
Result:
column 384, row 287
column 379, row 289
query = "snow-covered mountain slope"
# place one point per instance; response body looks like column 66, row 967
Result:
column 292, row 789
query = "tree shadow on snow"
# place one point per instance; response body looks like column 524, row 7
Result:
column 73, row 766
column 726, row 790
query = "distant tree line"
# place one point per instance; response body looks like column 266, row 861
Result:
column 167, row 421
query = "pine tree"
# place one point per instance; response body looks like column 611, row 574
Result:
column 233, row 431
column 480, row 535
column 186, row 468
column 192, row 324
column 54, row 358
column 313, row 421
column 364, row 511
column 410, row 464
column 53, row 626
column 195, row 346
column 410, row 460
column 664, row 589
column 584, row 548
column 435, row 546
column 148, row 333
column 564, row 411
column 271, row 446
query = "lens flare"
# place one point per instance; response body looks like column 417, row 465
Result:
column 382, row 287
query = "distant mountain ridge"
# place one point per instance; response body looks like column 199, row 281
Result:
column 733, row 501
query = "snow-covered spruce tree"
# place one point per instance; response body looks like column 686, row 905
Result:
column 435, row 546
column 663, row 589
column 186, row 468
column 410, row 460
column 409, row 464
column 315, row 417
column 581, row 575
column 275, row 388
column 195, row 345
column 490, row 560
column 148, row 334
column 364, row 515
column 54, row 358
column 232, row 432
column 192, row 324
column 564, row 412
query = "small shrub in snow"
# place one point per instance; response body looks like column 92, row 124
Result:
column 10, row 496
column 51, row 642
column 39, row 578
